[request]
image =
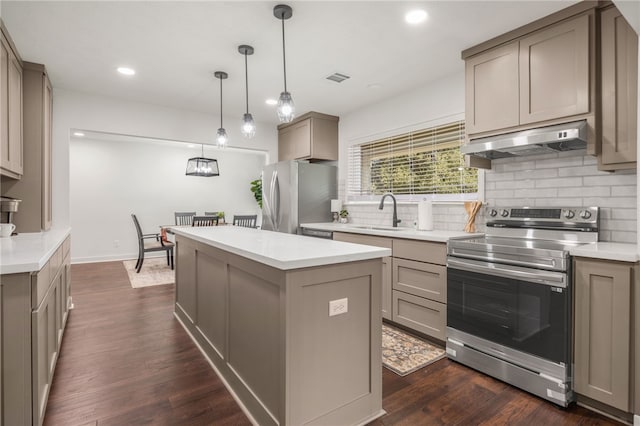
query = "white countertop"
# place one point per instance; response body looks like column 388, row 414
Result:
column 608, row 251
column 387, row 231
column 29, row 251
column 279, row 250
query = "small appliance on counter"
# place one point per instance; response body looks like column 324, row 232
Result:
column 8, row 206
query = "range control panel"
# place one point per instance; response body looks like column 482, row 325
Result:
column 544, row 215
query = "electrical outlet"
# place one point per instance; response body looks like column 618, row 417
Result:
column 337, row 307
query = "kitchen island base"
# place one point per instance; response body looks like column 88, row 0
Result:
column 269, row 334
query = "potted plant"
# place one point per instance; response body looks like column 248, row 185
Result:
column 344, row 215
column 220, row 217
column 256, row 188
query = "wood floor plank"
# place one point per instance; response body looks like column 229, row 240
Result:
column 125, row 360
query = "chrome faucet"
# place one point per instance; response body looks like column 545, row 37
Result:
column 395, row 208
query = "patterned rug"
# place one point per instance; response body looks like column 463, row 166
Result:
column 404, row 354
column 155, row 271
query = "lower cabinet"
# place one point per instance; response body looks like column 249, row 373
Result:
column 603, row 331
column 420, row 314
column 386, row 264
column 414, row 282
column 420, row 296
column 33, row 310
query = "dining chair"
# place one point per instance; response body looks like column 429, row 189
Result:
column 184, row 218
column 205, row 221
column 248, row 221
column 146, row 246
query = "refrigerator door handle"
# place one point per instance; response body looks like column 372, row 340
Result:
column 267, row 197
column 275, row 193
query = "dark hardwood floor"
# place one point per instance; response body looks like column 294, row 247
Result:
column 125, row 360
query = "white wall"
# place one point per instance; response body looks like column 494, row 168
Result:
column 74, row 110
column 110, row 179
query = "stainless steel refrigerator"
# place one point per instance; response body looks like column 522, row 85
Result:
column 295, row 192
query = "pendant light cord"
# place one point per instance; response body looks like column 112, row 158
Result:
column 284, row 57
column 221, row 126
column 246, row 80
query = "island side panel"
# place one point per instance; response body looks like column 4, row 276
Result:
column 222, row 288
column 334, row 369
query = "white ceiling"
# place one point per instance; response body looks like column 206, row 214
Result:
column 176, row 45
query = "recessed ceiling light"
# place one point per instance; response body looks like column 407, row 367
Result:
column 126, row 71
column 415, row 16
column 79, row 134
column 191, row 145
column 271, row 102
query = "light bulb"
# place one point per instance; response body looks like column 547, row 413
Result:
column 248, row 126
column 286, row 108
column 221, row 137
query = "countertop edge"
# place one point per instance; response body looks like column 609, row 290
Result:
column 621, row 252
column 36, row 265
column 371, row 253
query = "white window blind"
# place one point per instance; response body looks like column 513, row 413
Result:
column 421, row 164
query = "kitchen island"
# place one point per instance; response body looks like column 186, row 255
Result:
column 291, row 324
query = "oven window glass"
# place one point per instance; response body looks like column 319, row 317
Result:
column 533, row 318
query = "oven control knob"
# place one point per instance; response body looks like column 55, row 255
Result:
column 585, row 214
column 504, row 213
column 493, row 212
column 569, row 214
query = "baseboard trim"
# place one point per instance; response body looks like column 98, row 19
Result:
column 636, row 420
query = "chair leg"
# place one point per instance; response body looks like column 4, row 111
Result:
column 172, row 259
column 140, row 264
column 168, row 263
column 137, row 262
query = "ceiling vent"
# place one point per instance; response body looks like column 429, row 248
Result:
column 337, row 77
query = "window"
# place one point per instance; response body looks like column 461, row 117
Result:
column 421, row 164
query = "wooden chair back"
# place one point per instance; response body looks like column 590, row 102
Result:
column 184, row 218
column 205, row 221
column 248, row 221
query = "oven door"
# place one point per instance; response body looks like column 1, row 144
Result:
column 521, row 308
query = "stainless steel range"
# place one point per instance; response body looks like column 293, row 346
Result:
column 509, row 297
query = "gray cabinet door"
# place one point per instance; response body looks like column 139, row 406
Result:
column 492, row 91
column 294, row 142
column 185, row 253
column 619, row 70
column 418, row 313
column 554, row 71
column 602, row 331
column 44, row 352
column 10, row 112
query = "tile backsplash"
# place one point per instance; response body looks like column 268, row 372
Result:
column 567, row 179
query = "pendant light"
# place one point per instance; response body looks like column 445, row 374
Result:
column 201, row 166
column 221, row 136
column 286, row 107
column 248, row 126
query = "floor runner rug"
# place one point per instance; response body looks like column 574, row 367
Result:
column 155, row 271
column 403, row 353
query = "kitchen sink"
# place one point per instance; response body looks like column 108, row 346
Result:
column 377, row 228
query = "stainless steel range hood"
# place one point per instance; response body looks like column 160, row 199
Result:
column 544, row 140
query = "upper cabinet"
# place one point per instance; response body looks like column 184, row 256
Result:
column 312, row 136
column 11, row 162
column 580, row 63
column 492, row 90
column 619, row 91
column 535, row 76
column 34, row 189
column 554, row 71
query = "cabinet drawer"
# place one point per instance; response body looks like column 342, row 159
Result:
column 417, row 313
column 420, row 279
column 422, row 251
column 363, row 239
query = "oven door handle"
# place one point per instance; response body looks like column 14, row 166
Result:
column 554, row 279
